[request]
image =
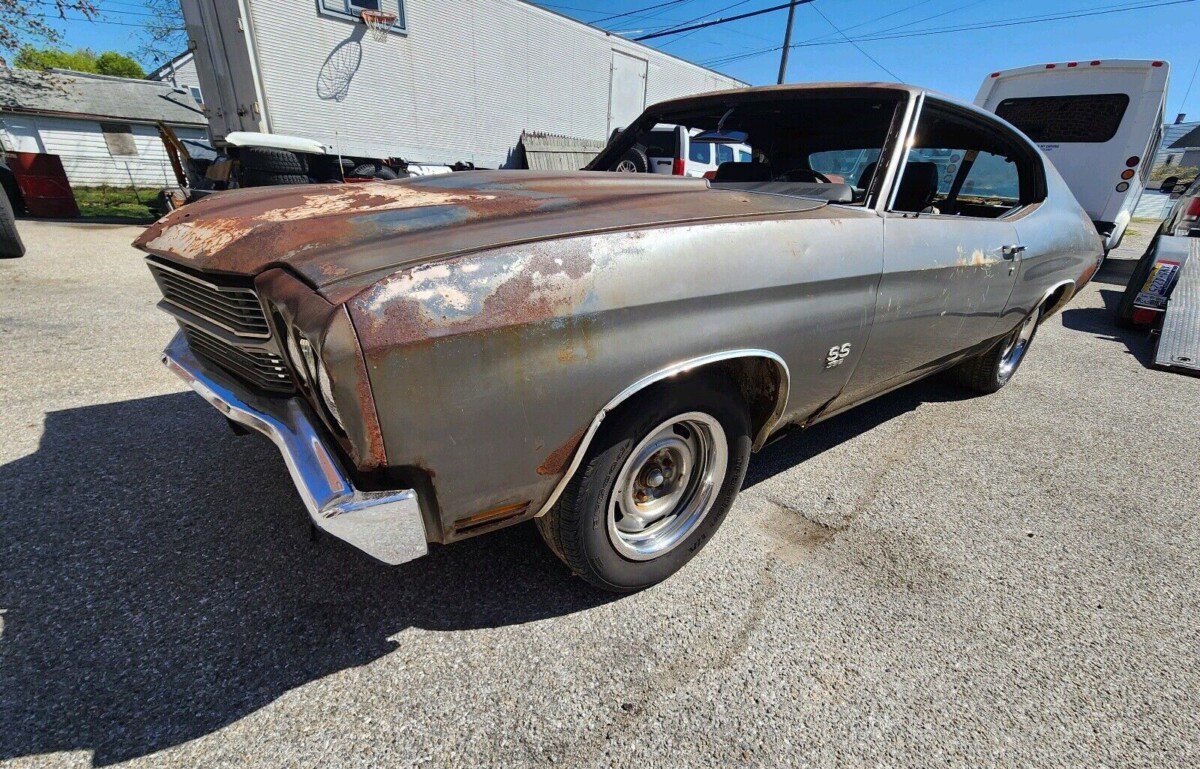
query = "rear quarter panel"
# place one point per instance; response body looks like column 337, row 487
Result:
column 487, row 369
column 1061, row 246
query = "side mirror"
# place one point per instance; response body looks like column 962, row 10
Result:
column 1168, row 184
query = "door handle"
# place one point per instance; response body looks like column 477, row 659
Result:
column 1012, row 252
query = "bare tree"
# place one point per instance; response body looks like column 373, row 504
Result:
column 163, row 35
column 23, row 22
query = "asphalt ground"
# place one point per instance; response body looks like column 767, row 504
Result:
column 932, row 579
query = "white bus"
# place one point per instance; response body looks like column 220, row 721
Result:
column 1099, row 121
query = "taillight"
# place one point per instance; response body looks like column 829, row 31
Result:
column 677, row 167
column 1188, row 220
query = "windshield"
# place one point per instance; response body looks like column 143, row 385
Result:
column 821, row 143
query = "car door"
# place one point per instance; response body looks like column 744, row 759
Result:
column 950, row 252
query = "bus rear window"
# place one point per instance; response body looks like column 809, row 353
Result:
column 1066, row 119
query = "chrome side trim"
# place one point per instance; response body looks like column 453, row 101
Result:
column 670, row 371
column 891, row 183
column 386, row 525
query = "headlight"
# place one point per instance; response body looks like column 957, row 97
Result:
column 296, row 348
column 312, row 370
column 326, row 388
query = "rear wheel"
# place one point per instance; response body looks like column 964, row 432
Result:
column 634, row 161
column 991, row 370
column 657, row 482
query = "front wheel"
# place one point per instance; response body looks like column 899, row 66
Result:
column 657, row 482
column 992, row 369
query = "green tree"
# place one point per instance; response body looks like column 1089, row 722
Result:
column 83, row 60
column 118, row 65
column 55, row 58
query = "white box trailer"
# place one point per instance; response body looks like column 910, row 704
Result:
column 1099, row 121
column 454, row 80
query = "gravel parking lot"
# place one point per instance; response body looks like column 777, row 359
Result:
column 932, row 579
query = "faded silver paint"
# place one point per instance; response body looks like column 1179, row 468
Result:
column 495, row 319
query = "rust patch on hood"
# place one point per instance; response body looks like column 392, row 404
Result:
column 290, row 220
column 342, row 238
column 469, row 294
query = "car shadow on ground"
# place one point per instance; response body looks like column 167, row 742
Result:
column 1101, row 321
column 795, row 446
column 159, row 582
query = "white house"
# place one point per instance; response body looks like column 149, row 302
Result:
column 102, row 128
column 181, row 73
column 454, row 80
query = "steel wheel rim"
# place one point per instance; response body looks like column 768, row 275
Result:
column 667, row 486
column 626, row 167
column 1017, row 347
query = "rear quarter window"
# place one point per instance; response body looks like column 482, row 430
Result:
column 1093, row 118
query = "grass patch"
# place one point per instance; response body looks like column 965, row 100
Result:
column 115, row 201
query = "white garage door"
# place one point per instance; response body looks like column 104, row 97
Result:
column 627, row 93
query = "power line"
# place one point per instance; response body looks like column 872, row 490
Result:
column 671, row 27
column 947, row 30
column 92, row 21
column 642, row 10
column 726, row 20
column 1188, row 92
column 856, row 45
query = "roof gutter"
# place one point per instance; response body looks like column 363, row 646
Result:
column 18, row 110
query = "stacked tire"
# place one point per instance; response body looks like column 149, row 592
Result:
column 268, row 167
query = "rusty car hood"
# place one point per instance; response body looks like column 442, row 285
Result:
column 339, row 237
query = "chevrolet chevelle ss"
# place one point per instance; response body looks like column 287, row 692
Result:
column 599, row 351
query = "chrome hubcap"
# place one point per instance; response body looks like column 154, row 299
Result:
column 667, row 486
column 1018, row 345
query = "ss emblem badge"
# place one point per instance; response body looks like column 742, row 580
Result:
column 837, row 355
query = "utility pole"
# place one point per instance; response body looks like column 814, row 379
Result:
column 787, row 42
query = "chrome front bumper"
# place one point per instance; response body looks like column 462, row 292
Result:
column 386, row 525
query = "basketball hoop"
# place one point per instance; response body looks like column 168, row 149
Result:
column 380, row 23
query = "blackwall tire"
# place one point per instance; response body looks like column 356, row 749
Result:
column 273, row 161
column 992, row 369
column 375, row 171
column 656, row 484
column 253, row 178
column 634, row 161
column 11, row 246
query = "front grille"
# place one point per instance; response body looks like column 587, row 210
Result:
column 225, row 325
column 233, row 308
column 261, row 368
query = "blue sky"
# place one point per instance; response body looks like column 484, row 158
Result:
column 954, row 62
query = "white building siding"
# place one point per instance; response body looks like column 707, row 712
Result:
column 181, row 73
column 85, row 155
column 463, row 84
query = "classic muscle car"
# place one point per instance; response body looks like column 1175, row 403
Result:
column 600, row 351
